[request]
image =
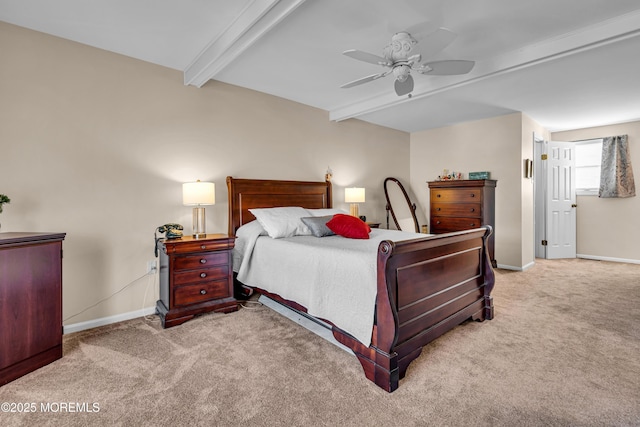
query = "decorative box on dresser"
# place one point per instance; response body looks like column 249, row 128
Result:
column 30, row 302
column 196, row 276
column 462, row 205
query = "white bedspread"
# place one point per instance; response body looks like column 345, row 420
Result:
column 333, row 277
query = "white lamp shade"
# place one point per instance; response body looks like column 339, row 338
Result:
column 354, row 195
column 198, row 193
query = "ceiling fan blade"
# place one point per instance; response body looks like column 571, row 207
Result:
column 364, row 80
column 435, row 42
column 367, row 57
column 446, row 68
column 405, row 87
column 421, row 29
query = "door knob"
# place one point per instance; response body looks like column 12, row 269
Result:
column 574, row 205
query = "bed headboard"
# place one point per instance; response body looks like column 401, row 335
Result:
column 245, row 194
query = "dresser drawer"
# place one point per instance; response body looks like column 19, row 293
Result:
column 200, row 260
column 441, row 224
column 202, row 275
column 200, row 292
column 457, row 209
column 456, row 195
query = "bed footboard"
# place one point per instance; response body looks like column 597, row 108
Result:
column 426, row 287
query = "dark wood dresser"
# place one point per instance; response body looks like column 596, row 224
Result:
column 196, row 276
column 30, row 302
column 462, row 205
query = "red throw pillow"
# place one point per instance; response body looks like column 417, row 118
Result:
column 349, row 226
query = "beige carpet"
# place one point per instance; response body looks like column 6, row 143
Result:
column 563, row 350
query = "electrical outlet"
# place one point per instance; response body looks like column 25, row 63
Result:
column 152, row 267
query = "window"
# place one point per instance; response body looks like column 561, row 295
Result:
column 588, row 158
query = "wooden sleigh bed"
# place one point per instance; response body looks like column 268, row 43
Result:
column 425, row 286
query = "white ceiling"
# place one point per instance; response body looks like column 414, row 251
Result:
column 565, row 63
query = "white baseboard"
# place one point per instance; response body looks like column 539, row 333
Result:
column 604, row 258
column 511, row 267
column 89, row 324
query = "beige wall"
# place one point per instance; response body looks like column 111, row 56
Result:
column 498, row 145
column 607, row 228
column 97, row 145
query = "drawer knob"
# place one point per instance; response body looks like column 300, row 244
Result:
column 437, row 195
column 203, row 292
column 472, row 224
column 203, row 246
column 473, row 209
column 203, row 275
column 437, row 209
column 437, row 222
column 203, row 261
column 473, row 195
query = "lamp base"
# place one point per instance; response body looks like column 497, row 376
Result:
column 353, row 210
column 199, row 223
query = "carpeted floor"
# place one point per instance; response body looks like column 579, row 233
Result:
column 563, row 350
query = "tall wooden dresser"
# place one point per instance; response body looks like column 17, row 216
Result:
column 30, row 302
column 462, row 205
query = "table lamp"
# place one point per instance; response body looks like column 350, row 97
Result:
column 354, row 196
column 198, row 194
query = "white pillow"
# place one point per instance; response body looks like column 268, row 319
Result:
column 282, row 222
column 250, row 229
column 325, row 212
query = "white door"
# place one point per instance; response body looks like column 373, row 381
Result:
column 561, row 200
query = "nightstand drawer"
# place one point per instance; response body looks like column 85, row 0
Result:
column 217, row 242
column 456, row 195
column 200, row 260
column 446, row 224
column 219, row 272
column 457, row 209
column 200, row 292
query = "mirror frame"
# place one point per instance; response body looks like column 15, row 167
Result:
column 389, row 208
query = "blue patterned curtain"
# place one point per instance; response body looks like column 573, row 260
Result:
column 616, row 175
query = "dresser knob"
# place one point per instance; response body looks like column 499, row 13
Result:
column 473, row 195
column 203, row 247
column 472, row 224
column 437, row 209
column 203, row 261
column 437, row 195
column 203, row 292
column 473, row 209
column 437, row 222
column 203, row 275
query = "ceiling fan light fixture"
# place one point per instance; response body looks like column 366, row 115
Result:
column 401, row 72
column 404, row 87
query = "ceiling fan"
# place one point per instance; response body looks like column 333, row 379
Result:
column 406, row 52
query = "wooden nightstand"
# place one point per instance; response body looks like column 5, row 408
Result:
column 196, row 276
column 373, row 224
